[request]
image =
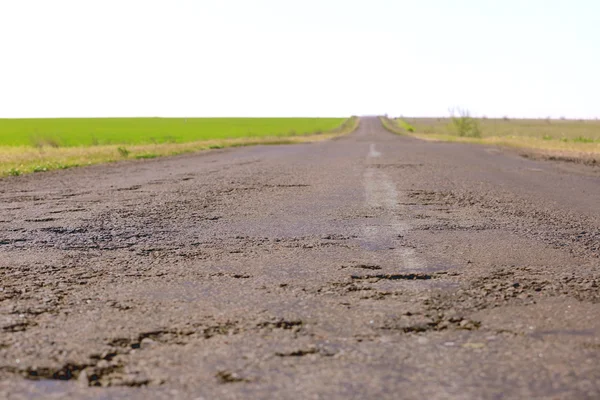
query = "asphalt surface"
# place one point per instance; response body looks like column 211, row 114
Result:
column 371, row 266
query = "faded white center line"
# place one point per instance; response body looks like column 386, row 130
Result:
column 381, row 195
column 373, row 153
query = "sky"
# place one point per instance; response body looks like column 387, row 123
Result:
column 186, row 58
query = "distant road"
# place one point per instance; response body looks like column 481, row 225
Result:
column 371, row 266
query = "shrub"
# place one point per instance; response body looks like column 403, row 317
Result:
column 463, row 124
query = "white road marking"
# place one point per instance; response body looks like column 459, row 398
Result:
column 381, row 195
column 373, row 153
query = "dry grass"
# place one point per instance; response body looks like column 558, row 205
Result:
column 558, row 139
column 25, row 159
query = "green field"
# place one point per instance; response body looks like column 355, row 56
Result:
column 130, row 131
column 38, row 145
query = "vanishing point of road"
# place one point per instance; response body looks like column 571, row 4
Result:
column 370, row 266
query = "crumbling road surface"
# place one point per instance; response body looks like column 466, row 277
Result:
column 372, row 266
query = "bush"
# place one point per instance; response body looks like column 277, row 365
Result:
column 464, row 125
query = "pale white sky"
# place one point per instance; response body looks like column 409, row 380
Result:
column 75, row 58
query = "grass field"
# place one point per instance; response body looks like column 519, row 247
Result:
column 35, row 145
column 569, row 139
column 105, row 131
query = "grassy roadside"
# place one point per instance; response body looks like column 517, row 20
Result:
column 577, row 141
column 17, row 160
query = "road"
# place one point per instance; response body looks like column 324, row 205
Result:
column 371, row 266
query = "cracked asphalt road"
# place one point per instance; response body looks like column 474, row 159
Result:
column 371, row 266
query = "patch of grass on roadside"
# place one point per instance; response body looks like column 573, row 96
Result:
column 581, row 139
column 405, row 125
column 123, row 152
column 18, row 160
column 146, row 156
column 40, row 168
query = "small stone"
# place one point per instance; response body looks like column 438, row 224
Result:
column 589, row 285
column 474, row 345
column 83, row 378
column 443, row 325
column 469, row 325
column 146, row 343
